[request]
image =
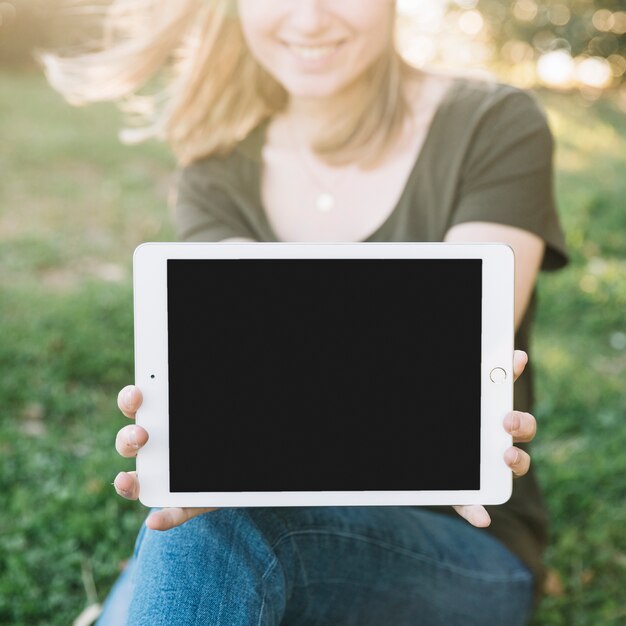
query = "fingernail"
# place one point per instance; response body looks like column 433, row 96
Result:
column 512, row 422
column 515, row 458
column 132, row 437
column 128, row 397
column 117, row 488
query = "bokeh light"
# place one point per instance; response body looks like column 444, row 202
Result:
column 594, row 72
column 525, row 10
column 557, row 69
column 560, row 44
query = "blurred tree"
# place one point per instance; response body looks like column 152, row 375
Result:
column 28, row 24
column 582, row 28
column 21, row 26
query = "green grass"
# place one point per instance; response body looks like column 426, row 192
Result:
column 580, row 357
column 73, row 205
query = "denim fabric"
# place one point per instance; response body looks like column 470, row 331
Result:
column 335, row 566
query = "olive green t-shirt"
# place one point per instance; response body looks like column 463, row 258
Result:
column 488, row 157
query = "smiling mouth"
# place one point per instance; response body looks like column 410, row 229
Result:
column 313, row 53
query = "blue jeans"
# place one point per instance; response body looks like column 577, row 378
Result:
column 319, row 566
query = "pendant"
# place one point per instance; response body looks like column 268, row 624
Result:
column 325, row 202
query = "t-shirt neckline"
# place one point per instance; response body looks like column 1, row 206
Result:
column 257, row 139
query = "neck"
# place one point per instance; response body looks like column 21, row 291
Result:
column 308, row 115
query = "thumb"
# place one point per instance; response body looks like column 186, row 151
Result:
column 475, row 514
column 173, row 516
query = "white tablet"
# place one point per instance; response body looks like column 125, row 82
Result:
column 291, row 374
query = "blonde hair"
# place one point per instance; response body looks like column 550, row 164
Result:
column 214, row 91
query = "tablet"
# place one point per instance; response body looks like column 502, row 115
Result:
column 293, row 374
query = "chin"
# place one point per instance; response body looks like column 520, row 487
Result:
column 302, row 87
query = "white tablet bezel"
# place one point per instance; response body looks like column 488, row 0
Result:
column 151, row 369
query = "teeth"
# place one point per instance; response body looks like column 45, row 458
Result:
column 313, row 52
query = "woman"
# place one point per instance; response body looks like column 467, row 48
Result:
column 298, row 121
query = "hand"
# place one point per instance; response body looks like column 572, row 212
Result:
column 128, row 442
column 523, row 427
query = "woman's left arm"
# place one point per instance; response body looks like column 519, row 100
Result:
column 529, row 250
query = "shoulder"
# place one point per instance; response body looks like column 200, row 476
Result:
column 495, row 105
column 234, row 170
column 216, row 197
column 245, row 155
column 482, row 120
column 208, row 171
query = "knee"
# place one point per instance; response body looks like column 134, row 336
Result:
column 214, row 560
column 210, row 539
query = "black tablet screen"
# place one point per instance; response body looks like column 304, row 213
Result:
column 324, row 374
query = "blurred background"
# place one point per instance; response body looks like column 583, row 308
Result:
column 74, row 203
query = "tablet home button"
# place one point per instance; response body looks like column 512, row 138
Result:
column 498, row 375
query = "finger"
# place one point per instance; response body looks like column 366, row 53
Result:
column 517, row 460
column 127, row 485
column 475, row 514
column 129, row 399
column 522, row 426
column 172, row 517
column 130, row 439
column 520, row 360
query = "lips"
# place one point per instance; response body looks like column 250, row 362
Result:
column 313, row 52
column 316, row 52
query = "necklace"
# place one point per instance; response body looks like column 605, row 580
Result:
column 325, row 202
column 326, row 199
